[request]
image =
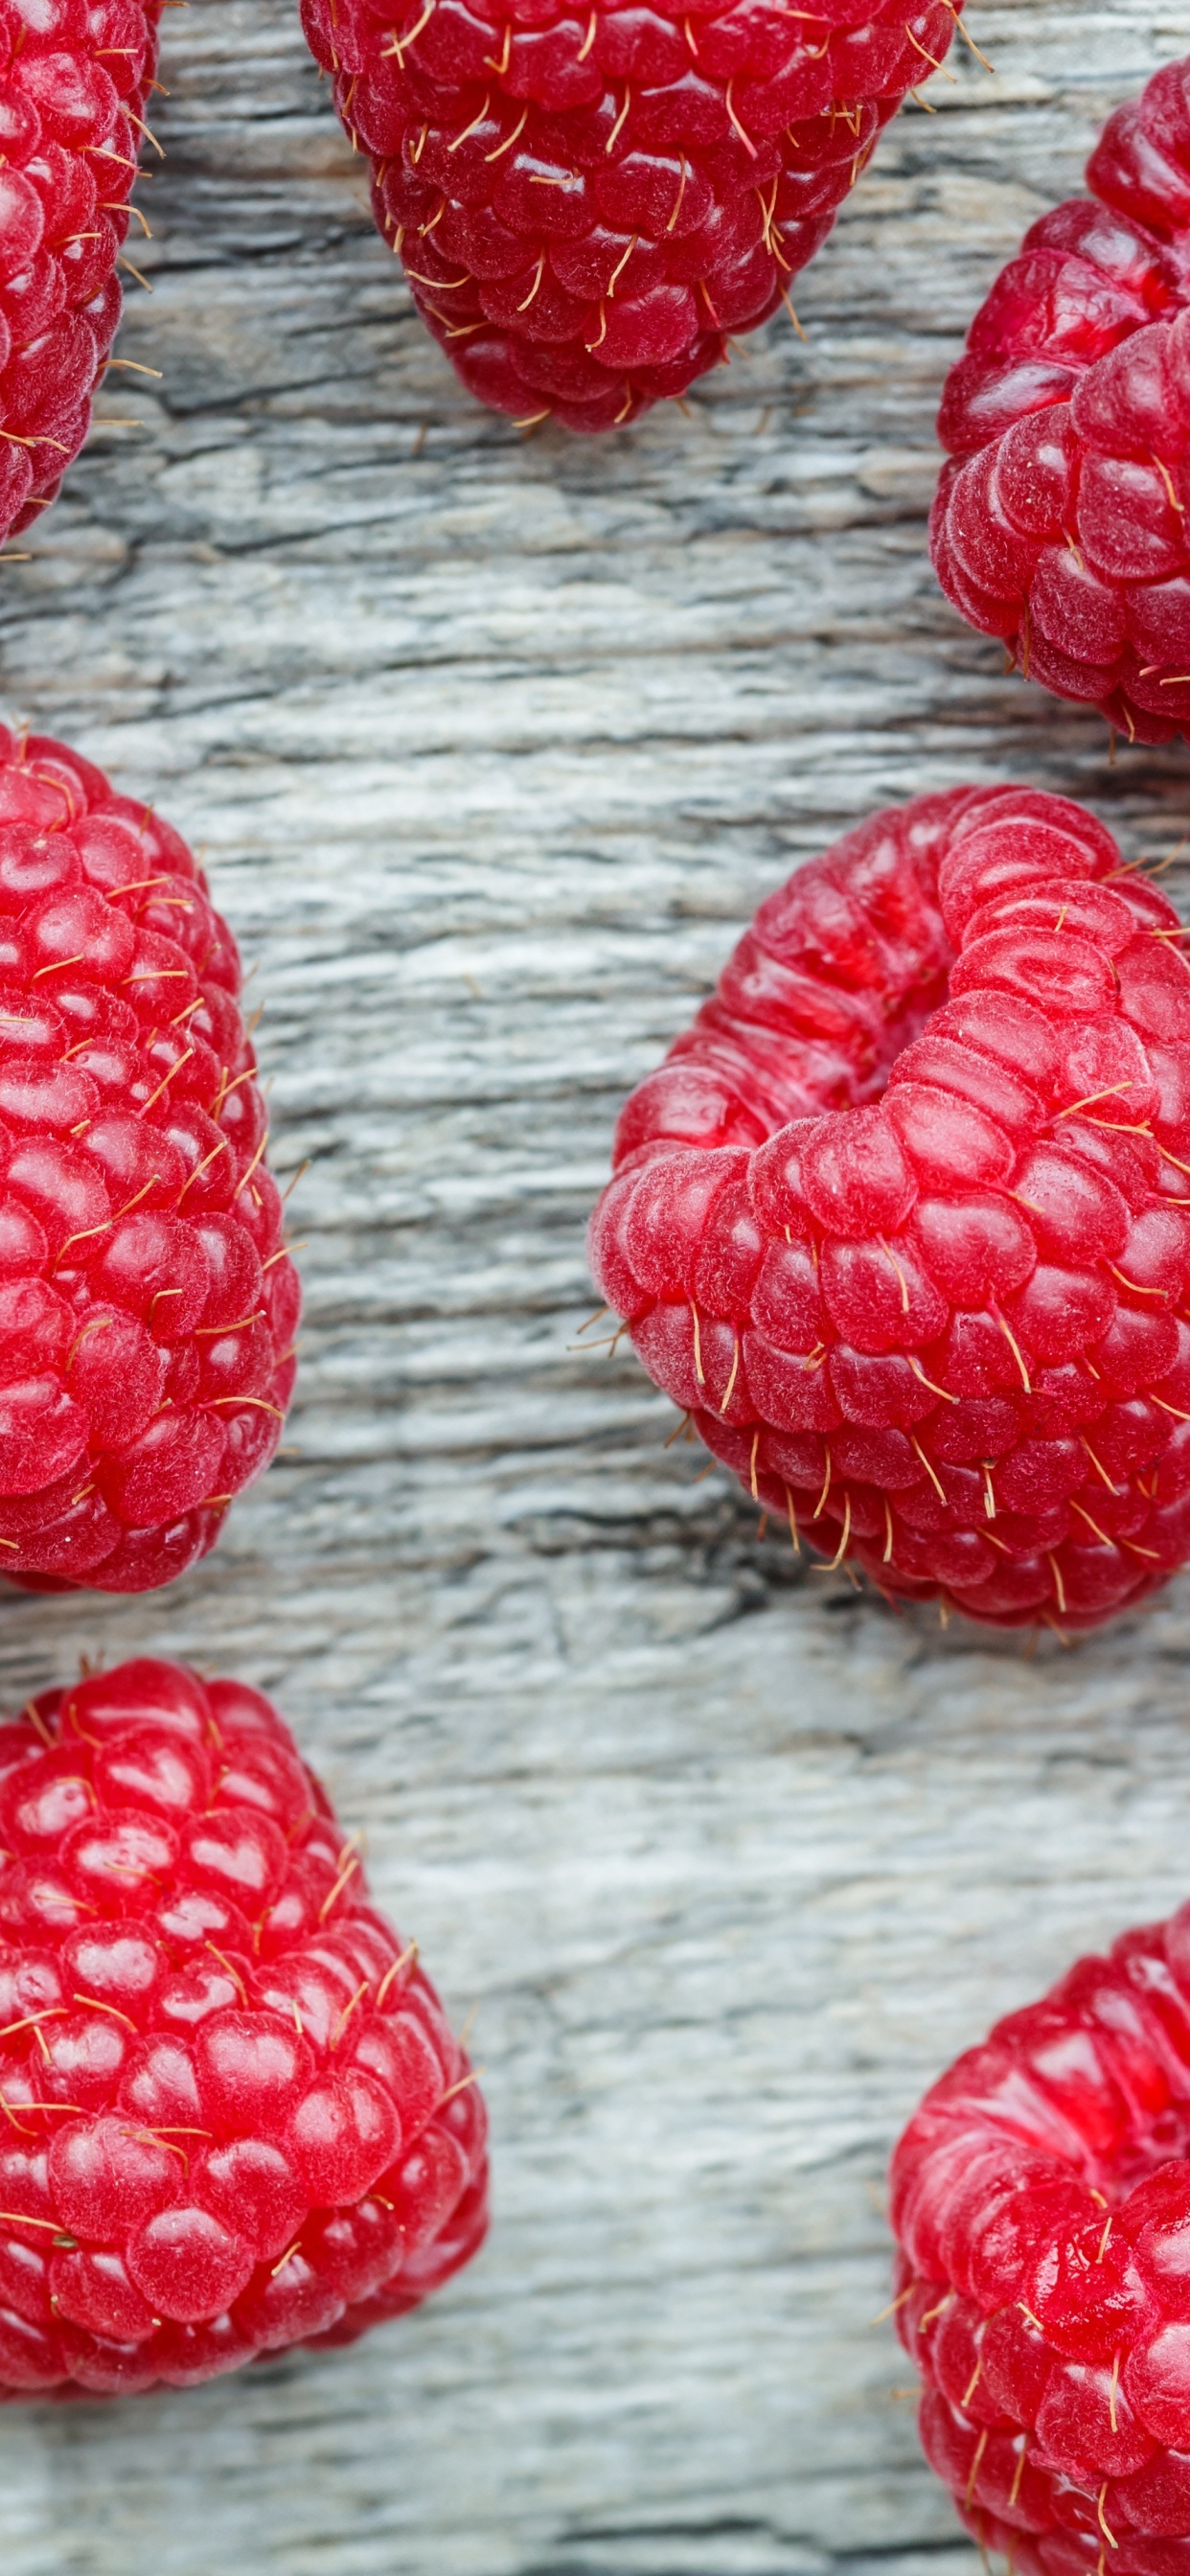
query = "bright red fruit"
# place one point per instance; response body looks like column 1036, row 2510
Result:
column 74, row 77
column 903, row 1221
column 588, row 199
column 236, row 2118
column 147, row 1305
column 1060, row 521
column 1041, row 2205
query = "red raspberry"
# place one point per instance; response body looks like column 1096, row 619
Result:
column 589, row 199
column 147, row 1305
column 74, row 76
column 1060, row 523
column 914, row 1264
column 1041, row 2204
column 236, row 2118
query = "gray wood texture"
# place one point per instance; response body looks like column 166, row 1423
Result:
column 493, row 743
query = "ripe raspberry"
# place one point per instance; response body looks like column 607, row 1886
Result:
column 1060, row 522
column 588, row 200
column 74, row 76
column 1041, row 2204
column 236, row 2118
column 914, row 1265
column 147, row 1306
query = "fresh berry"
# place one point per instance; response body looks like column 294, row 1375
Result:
column 235, row 2116
column 588, row 200
column 1060, row 520
column 147, row 1304
column 74, row 77
column 903, row 1222
column 1041, row 2205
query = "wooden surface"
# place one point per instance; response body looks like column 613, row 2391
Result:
column 493, row 744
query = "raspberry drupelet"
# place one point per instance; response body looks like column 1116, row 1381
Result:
column 235, row 2117
column 1041, row 2205
column 588, row 199
column 74, row 79
column 147, row 1304
column 903, row 1221
column 1060, row 519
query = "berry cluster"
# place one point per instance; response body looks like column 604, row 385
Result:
column 147, row 1304
column 1041, row 2204
column 235, row 2116
column 1060, row 521
column 589, row 200
column 903, row 1222
column 74, row 77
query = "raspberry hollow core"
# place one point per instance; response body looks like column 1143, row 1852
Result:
column 903, row 1221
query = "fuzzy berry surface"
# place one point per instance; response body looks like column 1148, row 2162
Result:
column 903, row 1220
column 1041, row 2206
column 147, row 1304
column 74, row 79
column 588, row 199
column 235, row 2116
column 1060, row 518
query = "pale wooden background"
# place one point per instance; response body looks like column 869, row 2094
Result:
column 493, row 744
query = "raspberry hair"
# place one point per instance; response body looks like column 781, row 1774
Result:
column 1041, row 2204
column 1060, row 518
column 74, row 82
column 148, row 1305
column 234, row 2115
column 589, row 200
column 903, row 1220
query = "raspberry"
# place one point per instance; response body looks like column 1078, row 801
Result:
column 1041, row 2205
column 74, row 76
column 1059, row 522
column 903, row 1222
column 147, row 1305
column 588, row 200
column 236, row 2116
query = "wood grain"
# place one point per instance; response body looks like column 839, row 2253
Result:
column 493, row 744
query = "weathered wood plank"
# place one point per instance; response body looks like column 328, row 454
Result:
column 493, row 745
